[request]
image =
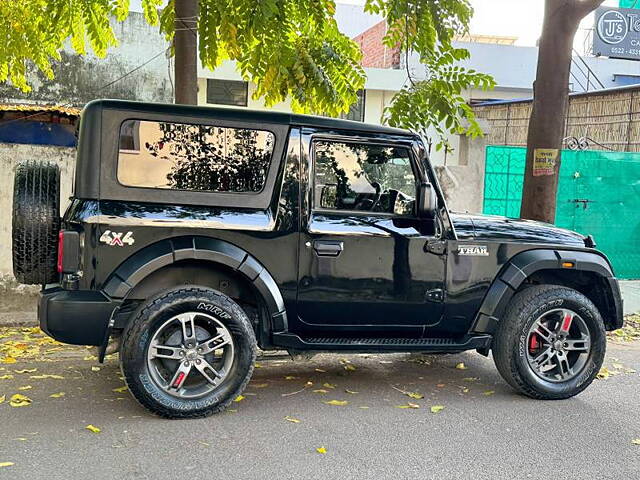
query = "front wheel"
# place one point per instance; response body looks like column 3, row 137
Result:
column 551, row 342
column 188, row 353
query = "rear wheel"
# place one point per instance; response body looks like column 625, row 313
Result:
column 188, row 353
column 551, row 342
column 36, row 222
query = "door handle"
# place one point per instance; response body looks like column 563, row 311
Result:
column 328, row 248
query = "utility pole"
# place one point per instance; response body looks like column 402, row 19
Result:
column 185, row 42
column 550, row 100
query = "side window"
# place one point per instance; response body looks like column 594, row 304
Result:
column 193, row 157
column 363, row 177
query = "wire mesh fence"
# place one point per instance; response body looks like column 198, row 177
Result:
column 598, row 194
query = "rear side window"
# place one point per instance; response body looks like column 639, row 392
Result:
column 182, row 156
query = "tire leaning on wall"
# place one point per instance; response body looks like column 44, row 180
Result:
column 36, row 222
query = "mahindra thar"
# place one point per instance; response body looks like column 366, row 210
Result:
column 196, row 235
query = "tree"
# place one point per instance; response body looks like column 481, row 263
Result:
column 287, row 48
column 185, row 44
column 550, row 100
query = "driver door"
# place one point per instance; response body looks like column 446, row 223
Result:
column 364, row 270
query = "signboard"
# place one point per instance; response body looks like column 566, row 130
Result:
column 617, row 33
column 544, row 161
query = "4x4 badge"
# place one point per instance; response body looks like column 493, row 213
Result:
column 119, row 239
column 473, row 250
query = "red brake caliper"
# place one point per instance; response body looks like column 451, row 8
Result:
column 566, row 322
column 533, row 343
column 179, row 380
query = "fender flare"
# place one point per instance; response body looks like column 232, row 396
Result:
column 166, row 252
column 523, row 265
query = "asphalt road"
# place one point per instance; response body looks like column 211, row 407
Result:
column 478, row 434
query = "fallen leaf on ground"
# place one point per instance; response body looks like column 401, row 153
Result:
column 92, row 428
column 320, row 370
column 291, row 419
column 291, row 377
column 415, row 395
column 364, row 407
column 90, row 358
column 321, row 450
column 27, row 370
column 239, row 398
column 120, row 389
column 470, row 379
column 26, row 387
column 349, row 367
column 437, row 408
column 461, row 366
column 6, row 464
column 95, row 369
column 440, row 385
column 350, row 391
column 489, row 392
column 321, row 390
column 57, row 395
column 6, row 377
column 19, row 400
column 339, row 403
column 9, row 360
column 328, row 385
column 635, row 441
column 42, row 377
column 306, row 385
column 603, row 374
column 408, row 405
column 259, row 385
column 2, row 398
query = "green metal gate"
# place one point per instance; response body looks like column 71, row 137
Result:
column 598, row 194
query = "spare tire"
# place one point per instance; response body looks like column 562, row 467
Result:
column 36, row 222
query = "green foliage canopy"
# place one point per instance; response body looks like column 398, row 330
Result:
column 287, row 48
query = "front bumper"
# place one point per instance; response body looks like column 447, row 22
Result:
column 79, row 317
column 617, row 314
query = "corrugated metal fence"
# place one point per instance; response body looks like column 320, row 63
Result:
column 598, row 194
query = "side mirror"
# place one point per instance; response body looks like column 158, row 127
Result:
column 427, row 201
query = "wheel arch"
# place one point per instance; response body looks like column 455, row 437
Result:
column 213, row 261
column 587, row 272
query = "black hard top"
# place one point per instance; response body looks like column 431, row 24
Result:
column 243, row 114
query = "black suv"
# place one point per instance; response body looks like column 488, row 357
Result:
column 195, row 235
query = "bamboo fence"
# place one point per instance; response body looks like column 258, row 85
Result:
column 609, row 120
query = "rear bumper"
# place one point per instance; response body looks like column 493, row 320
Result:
column 79, row 317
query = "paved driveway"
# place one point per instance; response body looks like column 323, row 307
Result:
column 484, row 431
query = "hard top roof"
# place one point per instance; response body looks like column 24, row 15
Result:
column 242, row 114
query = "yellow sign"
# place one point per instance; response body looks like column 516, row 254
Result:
column 544, row 161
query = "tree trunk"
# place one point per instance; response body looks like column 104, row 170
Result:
column 185, row 43
column 550, row 100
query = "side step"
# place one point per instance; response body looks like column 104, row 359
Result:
column 437, row 345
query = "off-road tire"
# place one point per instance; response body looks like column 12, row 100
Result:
column 36, row 222
column 141, row 328
column 510, row 342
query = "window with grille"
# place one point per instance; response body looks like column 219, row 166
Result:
column 227, row 92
